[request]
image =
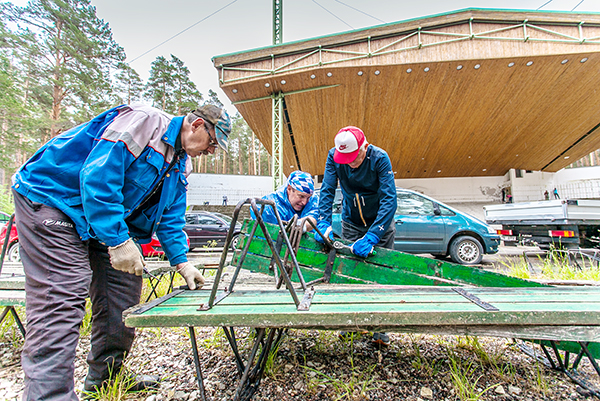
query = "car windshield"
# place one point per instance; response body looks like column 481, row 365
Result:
column 224, row 217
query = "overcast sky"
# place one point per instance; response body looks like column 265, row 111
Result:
column 140, row 25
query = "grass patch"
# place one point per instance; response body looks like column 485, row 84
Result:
column 465, row 378
column 9, row 331
column 554, row 265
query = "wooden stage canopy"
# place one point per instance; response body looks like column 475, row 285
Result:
column 468, row 93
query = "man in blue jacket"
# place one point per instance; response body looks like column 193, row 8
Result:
column 369, row 202
column 82, row 201
column 295, row 198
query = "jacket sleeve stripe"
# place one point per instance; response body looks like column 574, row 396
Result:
column 126, row 138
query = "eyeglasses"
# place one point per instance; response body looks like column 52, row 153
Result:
column 211, row 141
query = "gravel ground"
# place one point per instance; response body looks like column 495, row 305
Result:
column 317, row 365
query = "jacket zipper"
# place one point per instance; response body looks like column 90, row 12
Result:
column 360, row 209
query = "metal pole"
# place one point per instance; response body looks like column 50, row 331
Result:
column 277, row 22
column 277, row 141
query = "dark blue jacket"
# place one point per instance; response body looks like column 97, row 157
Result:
column 369, row 191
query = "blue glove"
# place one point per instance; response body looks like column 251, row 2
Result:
column 364, row 246
column 326, row 229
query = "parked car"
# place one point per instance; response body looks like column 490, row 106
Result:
column 4, row 217
column 425, row 225
column 153, row 248
column 12, row 252
column 209, row 229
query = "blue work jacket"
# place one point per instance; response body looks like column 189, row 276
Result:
column 285, row 209
column 99, row 172
column 369, row 191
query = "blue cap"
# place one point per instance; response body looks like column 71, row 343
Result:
column 301, row 181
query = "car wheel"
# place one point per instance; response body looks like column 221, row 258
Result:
column 13, row 254
column 234, row 242
column 466, row 250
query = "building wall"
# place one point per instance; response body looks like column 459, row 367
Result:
column 211, row 188
column 458, row 189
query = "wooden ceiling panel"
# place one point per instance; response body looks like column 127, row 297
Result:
column 435, row 113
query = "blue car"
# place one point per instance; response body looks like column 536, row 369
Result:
column 424, row 225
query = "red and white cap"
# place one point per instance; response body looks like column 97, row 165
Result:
column 347, row 144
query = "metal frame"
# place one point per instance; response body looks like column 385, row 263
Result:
column 440, row 37
column 154, row 281
column 593, row 255
column 213, row 299
column 9, row 308
column 12, row 310
column 562, row 363
column 266, row 338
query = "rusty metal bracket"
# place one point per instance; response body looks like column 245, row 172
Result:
column 306, row 300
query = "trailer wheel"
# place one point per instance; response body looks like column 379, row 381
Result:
column 466, row 250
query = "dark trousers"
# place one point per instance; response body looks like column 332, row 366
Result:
column 352, row 232
column 60, row 272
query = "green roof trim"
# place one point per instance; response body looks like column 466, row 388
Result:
column 406, row 21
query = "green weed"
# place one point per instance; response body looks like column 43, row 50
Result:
column 559, row 265
column 217, row 340
column 9, row 331
column 464, row 378
column 272, row 367
column 519, row 268
column 421, row 363
column 354, row 387
column 85, row 329
column 116, row 389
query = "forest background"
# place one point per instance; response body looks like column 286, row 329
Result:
column 60, row 67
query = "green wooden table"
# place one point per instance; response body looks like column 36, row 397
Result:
column 403, row 293
column 550, row 313
column 539, row 313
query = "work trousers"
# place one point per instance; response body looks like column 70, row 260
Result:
column 60, row 271
column 352, row 232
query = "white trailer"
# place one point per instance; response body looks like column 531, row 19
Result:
column 565, row 223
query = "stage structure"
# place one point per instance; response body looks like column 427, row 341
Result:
column 468, row 93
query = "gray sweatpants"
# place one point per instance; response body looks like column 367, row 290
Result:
column 352, row 232
column 60, row 271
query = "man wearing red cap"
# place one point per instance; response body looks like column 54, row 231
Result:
column 366, row 178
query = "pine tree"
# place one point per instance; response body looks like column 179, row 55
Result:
column 213, row 98
column 160, row 85
column 170, row 87
column 77, row 51
column 128, row 84
column 186, row 95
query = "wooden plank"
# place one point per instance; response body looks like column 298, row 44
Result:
column 336, row 309
column 386, row 267
column 12, row 298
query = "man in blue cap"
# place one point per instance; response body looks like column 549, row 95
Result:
column 295, row 197
column 81, row 203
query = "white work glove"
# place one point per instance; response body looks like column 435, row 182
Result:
column 126, row 257
column 190, row 274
